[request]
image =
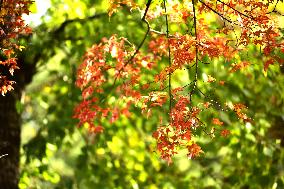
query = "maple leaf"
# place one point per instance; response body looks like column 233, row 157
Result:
column 216, row 121
column 225, row 132
column 238, row 66
column 238, row 108
column 8, row 52
column 187, row 135
column 87, row 92
column 210, row 79
column 267, row 63
column 194, row 150
column 145, row 86
column 221, row 82
column 176, row 90
column 206, row 104
column 267, row 50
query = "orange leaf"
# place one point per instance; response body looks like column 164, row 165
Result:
column 216, row 121
column 222, row 82
column 193, row 151
column 225, row 132
column 267, row 63
column 210, row 79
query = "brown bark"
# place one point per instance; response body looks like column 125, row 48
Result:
column 9, row 141
column 10, row 126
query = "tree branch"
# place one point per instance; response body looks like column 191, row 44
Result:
column 274, row 9
column 146, row 10
column 80, row 20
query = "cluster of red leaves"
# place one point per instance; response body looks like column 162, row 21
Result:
column 113, row 67
column 178, row 133
column 158, row 46
column 224, row 132
column 107, row 67
column 183, row 48
column 256, row 26
column 260, row 28
column 11, row 26
column 238, row 109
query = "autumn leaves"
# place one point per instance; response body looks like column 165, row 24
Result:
column 114, row 74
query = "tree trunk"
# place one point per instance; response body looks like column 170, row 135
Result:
column 10, row 131
column 10, row 125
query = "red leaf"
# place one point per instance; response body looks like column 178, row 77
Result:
column 216, row 121
column 96, row 129
column 222, row 82
column 267, row 50
column 225, row 132
column 236, row 67
column 267, row 63
column 194, row 150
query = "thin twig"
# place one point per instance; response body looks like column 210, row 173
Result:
column 236, row 10
column 196, row 52
column 203, row 129
column 169, row 61
column 157, row 32
column 189, row 67
column 219, row 14
column 274, row 9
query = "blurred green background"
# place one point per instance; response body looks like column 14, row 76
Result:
column 57, row 154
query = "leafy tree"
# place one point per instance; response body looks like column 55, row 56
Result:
column 11, row 26
column 155, row 64
column 119, row 68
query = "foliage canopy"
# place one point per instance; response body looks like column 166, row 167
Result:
column 115, row 74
